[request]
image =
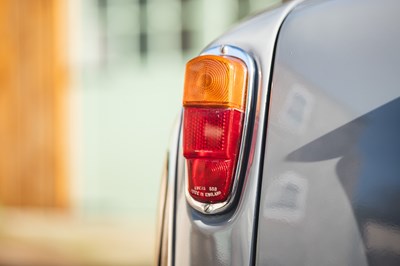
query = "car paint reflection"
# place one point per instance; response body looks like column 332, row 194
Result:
column 369, row 172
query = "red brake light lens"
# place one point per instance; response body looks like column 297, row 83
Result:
column 214, row 101
column 211, row 137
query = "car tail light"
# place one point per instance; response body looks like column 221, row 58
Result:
column 214, row 101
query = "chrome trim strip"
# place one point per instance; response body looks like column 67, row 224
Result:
column 160, row 230
column 241, row 167
column 173, row 151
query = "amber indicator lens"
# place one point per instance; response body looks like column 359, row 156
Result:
column 214, row 101
column 215, row 81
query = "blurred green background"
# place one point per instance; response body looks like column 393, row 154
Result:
column 130, row 57
column 126, row 65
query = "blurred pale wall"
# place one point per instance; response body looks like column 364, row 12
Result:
column 131, row 56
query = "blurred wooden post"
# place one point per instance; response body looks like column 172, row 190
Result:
column 33, row 99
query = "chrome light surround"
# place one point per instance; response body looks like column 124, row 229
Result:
column 246, row 139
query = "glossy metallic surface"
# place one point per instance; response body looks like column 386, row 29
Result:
column 163, row 211
column 245, row 143
column 331, row 181
column 227, row 239
column 166, row 224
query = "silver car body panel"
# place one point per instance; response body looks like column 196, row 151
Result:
column 323, row 187
column 331, row 181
